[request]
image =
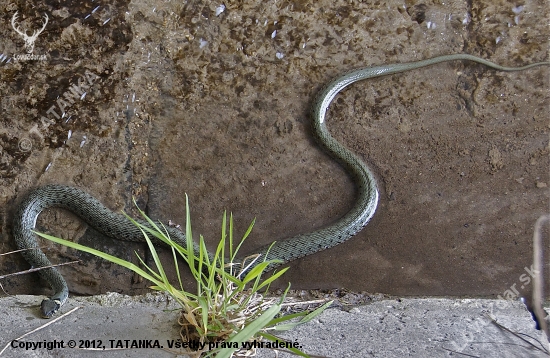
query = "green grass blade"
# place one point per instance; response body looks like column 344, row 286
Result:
column 200, row 273
column 156, row 258
column 157, row 276
column 249, row 230
column 204, row 313
column 189, row 239
column 219, row 256
column 152, row 229
column 177, row 267
column 204, row 266
column 256, row 271
column 273, row 277
column 233, row 279
column 307, row 318
column 153, row 226
column 287, row 317
column 103, row 255
column 210, row 277
column 250, row 330
column 232, row 251
column 277, row 339
column 243, row 238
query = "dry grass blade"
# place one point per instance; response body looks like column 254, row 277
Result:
column 39, row 328
column 464, row 354
column 13, row 252
column 303, row 303
column 538, row 286
column 519, row 335
column 289, row 352
column 36, row 269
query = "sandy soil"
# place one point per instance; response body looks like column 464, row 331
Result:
column 186, row 98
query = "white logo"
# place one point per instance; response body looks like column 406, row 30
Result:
column 29, row 40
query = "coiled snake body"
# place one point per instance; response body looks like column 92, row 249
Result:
column 117, row 226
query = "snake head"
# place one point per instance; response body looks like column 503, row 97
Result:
column 49, row 307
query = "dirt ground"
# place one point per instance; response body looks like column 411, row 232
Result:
column 212, row 99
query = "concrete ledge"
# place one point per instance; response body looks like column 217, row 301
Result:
column 421, row 327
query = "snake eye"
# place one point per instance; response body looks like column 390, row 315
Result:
column 48, row 307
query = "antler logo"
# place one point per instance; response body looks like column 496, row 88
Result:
column 29, row 40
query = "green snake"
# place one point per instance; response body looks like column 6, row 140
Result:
column 117, row 226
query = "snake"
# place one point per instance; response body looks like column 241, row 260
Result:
column 117, row 226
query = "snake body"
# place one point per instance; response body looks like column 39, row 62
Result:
column 117, row 226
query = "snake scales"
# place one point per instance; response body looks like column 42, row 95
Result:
column 117, row 226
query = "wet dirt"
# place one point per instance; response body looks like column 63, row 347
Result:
column 154, row 99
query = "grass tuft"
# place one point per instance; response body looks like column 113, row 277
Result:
column 226, row 310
